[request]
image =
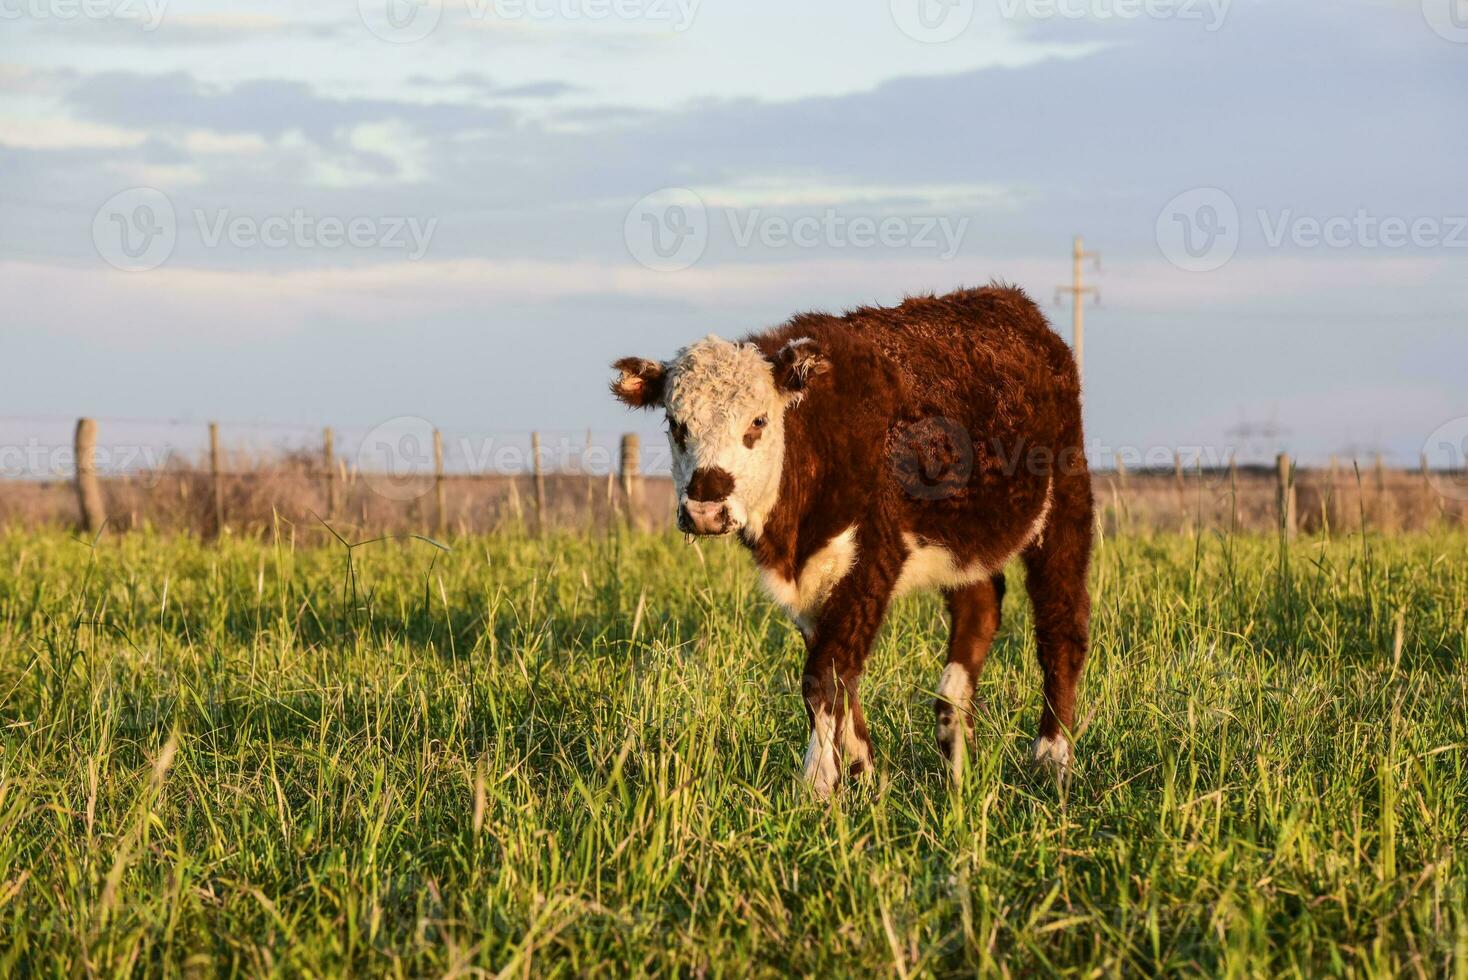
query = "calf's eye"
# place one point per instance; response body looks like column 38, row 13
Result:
column 755, row 430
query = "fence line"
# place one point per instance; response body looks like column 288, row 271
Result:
column 306, row 482
column 332, row 471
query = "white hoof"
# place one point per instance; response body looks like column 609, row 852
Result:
column 1053, row 753
column 957, row 752
column 821, row 785
column 954, row 696
column 856, row 754
column 820, row 770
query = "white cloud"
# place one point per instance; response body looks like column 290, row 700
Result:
column 206, row 142
column 236, row 305
column 60, row 133
column 821, row 190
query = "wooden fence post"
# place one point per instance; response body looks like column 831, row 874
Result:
column 441, row 515
column 88, row 491
column 328, row 465
column 631, row 475
column 539, row 474
column 1285, row 494
column 216, row 475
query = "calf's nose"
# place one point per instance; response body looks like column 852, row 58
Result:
column 704, row 516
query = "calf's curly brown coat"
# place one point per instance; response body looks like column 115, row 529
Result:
column 924, row 446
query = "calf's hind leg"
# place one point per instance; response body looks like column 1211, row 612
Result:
column 973, row 616
column 1056, row 568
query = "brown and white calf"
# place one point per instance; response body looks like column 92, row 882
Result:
column 889, row 450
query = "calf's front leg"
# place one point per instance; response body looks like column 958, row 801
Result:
column 836, row 654
column 838, row 730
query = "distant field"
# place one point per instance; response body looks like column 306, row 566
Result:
column 579, row 756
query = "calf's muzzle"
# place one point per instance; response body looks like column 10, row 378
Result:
column 705, row 508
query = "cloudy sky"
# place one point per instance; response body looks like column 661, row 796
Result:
column 462, row 211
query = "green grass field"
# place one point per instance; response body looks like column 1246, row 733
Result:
column 580, row 756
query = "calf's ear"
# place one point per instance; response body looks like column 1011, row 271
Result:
column 640, row 382
column 797, row 362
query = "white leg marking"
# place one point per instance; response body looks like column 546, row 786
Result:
column 855, row 749
column 1053, row 752
column 820, row 755
column 954, row 687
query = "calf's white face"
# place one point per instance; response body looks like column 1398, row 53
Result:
column 725, row 405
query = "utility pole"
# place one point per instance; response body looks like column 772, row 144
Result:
column 1077, row 291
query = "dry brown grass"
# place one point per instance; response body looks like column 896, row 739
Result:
column 1386, row 501
column 293, row 490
